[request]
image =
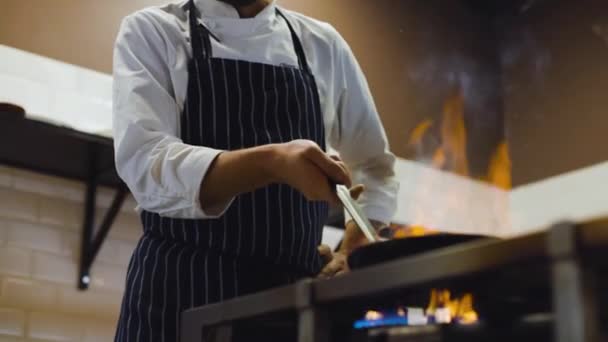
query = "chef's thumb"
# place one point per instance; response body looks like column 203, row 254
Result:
column 326, row 254
column 356, row 191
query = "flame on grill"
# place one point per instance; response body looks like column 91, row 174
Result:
column 402, row 232
column 499, row 171
column 443, row 145
column 451, row 141
column 372, row 315
column 446, row 309
column 443, row 308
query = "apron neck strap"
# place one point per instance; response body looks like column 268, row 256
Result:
column 297, row 44
column 199, row 35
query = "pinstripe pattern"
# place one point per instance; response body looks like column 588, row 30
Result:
column 140, row 318
column 266, row 238
column 241, row 143
column 214, row 123
column 227, row 95
column 291, row 190
column 128, row 314
column 268, row 141
column 305, row 232
column 178, row 286
column 308, row 117
column 165, row 289
column 280, row 136
column 192, row 271
column 255, row 143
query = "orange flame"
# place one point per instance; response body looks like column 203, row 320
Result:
column 451, row 155
column 499, row 171
column 402, row 232
column 453, row 150
column 442, row 309
column 419, row 132
column 445, row 309
column 450, row 137
column 372, row 315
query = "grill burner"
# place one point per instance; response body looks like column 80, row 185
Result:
column 534, row 330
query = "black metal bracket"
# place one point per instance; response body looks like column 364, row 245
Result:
column 91, row 242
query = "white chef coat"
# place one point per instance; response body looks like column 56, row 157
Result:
column 150, row 85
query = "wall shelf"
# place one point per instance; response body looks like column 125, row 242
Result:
column 61, row 151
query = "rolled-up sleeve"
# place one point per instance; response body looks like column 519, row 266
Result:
column 163, row 173
column 357, row 134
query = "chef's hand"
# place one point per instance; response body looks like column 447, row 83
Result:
column 303, row 165
column 336, row 263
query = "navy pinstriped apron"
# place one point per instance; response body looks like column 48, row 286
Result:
column 266, row 238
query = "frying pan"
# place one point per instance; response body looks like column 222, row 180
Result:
column 379, row 252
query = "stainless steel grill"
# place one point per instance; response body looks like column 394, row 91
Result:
column 541, row 287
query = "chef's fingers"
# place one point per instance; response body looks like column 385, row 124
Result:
column 333, row 169
column 324, row 250
column 328, row 193
column 313, row 182
column 335, row 266
column 326, row 253
column 356, row 191
column 337, row 159
column 330, row 270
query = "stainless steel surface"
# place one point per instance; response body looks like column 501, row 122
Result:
column 559, row 254
column 352, row 207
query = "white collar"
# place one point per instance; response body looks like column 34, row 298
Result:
column 215, row 9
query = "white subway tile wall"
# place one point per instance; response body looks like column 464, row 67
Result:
column 15, row 261
column 12, row 322
column 72, row 300
column 98, row 332
column 5, row 177
column 18, row 205
column 126, row 227
column 66, row 214
column 40, row 226
column 27, row 294
column 2, row 232
column 108, row 276
column 33, row 236
column 54, row 327
column 47, row 185
column 54, row 268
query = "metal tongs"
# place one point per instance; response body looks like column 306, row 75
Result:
column 353, row 208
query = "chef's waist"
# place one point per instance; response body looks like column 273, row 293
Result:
column 291, row 247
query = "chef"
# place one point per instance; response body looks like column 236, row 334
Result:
column 224, row 113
